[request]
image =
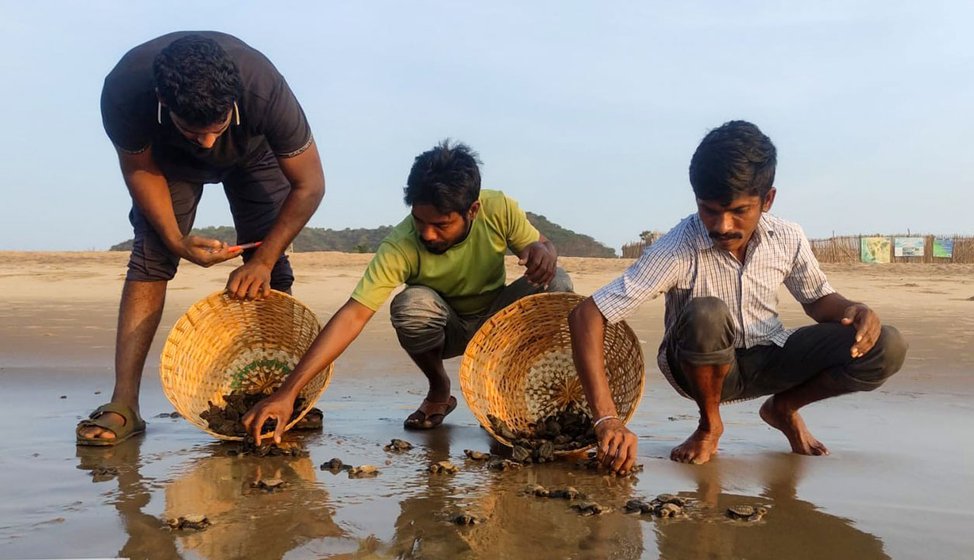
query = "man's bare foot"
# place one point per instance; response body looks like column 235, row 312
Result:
column 791, row 424
column 698, row 448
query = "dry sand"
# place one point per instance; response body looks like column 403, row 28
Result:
column 897, row 485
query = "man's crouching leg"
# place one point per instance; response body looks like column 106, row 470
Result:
column 421, row 318
column 865, row 373
column 702, row 349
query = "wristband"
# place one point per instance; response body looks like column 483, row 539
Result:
column 603, row 419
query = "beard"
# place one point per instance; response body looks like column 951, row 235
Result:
column 438, row 248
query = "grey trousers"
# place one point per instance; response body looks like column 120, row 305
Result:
column 423, row 320
column 704, row 335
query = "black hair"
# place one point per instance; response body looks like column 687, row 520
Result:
column 197, row 80
column 735, row 159
column 446, row 177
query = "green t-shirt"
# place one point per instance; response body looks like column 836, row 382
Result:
column 468, row 275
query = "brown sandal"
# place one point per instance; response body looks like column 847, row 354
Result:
column 429, row 414
column 132, row 426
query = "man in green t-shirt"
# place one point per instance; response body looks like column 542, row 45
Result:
column 450, row 255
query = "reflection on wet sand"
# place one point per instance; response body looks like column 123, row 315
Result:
column 249, row 522
column 298, row 521
column 148, row 536
column 246, row 522
column 793, row 528
column 514, row 525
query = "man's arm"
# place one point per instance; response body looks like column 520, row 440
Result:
column 150, row 192
column 307, row 179
column 540, row 259
column 617, row 445
column 834, row 308
column 339, row 332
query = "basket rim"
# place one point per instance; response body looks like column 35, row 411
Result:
column 190, row 416
column 466, row 366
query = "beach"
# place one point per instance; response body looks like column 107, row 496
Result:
column 898, row 482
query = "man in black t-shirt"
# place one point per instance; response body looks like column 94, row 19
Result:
column 183, row 110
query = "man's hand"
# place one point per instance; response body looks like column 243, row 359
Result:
column 867, row 327
column 278, row 407
column 252, row 280
column 540, row 263
column 205, row 252
column 617, row 446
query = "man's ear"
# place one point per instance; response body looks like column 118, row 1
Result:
column 474, row 208
column 768, row 200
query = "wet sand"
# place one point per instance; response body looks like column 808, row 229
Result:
column 897, row 485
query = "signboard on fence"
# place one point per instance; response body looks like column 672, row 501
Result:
column 874, row 249
column 908, row 246
column 943, row 247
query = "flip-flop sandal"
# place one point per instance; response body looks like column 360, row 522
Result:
column 133, row 425
column 312, row 420
column 429, row 414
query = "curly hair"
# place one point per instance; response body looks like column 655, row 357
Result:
column 735, row 159
column 197, row 80
column 446, row 177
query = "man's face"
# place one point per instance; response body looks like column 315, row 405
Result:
column 437, row 231
column 731, row 225
column 204, row 137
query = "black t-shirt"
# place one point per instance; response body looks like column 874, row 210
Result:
column 270, row 116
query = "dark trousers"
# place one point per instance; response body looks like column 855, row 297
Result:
column 704, row 335
column 256, row 192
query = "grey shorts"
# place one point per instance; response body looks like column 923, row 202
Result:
column 256, row 193
column 704, row 335
column 424, row 320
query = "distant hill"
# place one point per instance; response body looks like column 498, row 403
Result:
column 364, row 240
column 569, row 243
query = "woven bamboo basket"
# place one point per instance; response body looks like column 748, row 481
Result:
column 222, row 344
column 518, row 366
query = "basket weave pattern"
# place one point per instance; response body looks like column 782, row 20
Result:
column 221, row 345
column 518, row 366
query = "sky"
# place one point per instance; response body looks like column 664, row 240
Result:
column 585, row 112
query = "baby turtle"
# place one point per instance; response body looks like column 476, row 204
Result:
column 671, row 499
column 269, row 484
column 101, row 474
column 637, row 505
column 536, row 490
column 590, row 508
column 364, row 471
column 398, row 445
column 476, row 455
column 746, row 513
column 467, row 519
column 521, row 454
column 334, row 465
column 669, row 510
column 444, row 467
column 193, row 522
column 569, row 493
column 503, row 465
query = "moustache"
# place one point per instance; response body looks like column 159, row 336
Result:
column 724, row 237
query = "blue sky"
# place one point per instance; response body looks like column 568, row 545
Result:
column 587, row 112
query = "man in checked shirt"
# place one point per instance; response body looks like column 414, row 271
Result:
column 720, row 270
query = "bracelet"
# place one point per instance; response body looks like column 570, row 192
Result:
column 603, row 419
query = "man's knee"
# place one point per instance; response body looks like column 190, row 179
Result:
column 561, row 282
column 882, row 361
column 150, row 261
column 419, row 316
column 705, row 327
